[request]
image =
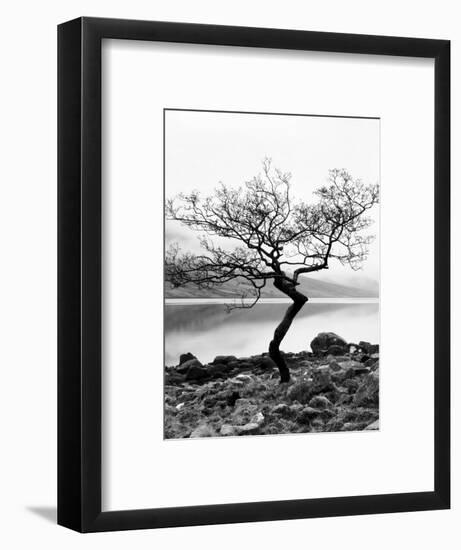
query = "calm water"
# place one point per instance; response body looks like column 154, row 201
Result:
column 204, row 328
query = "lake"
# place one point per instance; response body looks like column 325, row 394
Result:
column 205, row 328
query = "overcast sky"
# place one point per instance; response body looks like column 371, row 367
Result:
column 202, row 149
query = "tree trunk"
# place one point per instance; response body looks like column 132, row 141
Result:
column 274, row 347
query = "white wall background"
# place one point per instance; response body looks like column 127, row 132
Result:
column 28, row 273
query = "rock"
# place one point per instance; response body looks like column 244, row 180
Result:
column 224, row 359
column 375, row 367
column 357, row 371
column 266, row 363
column 253, row 426
column 325, row 340
column 244, row 409
column 179, row 406
column 245, row 365
column 227, row 429
column 236, row 383
column 186, row 357
column 196, row 372
column 317, row 425
column 371, row 361
column 334, row 425
column 352, row 427
column 353, row 368
column 368, row 392
column 250, row 428
column 373, row 426
column 231, row 397
column 369, row 348
column 174, row 378
column 321, row 380
column 286, row 411
column 184, row 367
column 300, row 391
column 344, row 399
column 334, row 366
column 353, row 348
column 306, row 415
column 204, row 430
column 336, row 350
column 244, row 377
column 320, row 402
column 218, row 370
column 364, row 346
column 351, row 384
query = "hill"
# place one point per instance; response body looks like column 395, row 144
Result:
column 312, row 287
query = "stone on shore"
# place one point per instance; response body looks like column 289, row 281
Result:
column 186, row 365
column 242, row 396
column 204, row 430
column 328, row 343
column 186, row 357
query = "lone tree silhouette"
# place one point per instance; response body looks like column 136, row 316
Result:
column 276, row 238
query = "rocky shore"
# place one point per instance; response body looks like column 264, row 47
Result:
column 334, row 387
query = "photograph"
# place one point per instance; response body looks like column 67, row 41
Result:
column 271, row 285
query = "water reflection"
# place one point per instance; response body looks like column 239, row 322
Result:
column 208, row 330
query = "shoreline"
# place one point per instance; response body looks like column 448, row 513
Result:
column 199, row 301
column 233, row 396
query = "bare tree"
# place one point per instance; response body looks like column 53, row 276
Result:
column 277, row 238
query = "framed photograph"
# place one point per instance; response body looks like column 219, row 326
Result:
column 254, row 269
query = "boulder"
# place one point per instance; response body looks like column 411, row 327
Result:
column 349, row 369
column 334, row 365
column 306, row 415
column 320, row 402
column 351, row 385
column 253, row 426
column 186, row 365
column 300, row 391
column 186, row 357
column 218, row 370
column 244, row 377
column 222, row 398
column 286, row 411
column 375, row 366
column 321, row 380
column 228, row 430
column 371, row 361
column 204, row 430
column 266, row 363
column 250, row 428
column 368, row 348
column 322, row 343
column 245, row 365
column 336, row 350
column 244, row 409
column 174, row 378
column 373, row 426
column 196, row 372
column 224, row 359
column 352, row 427
column 368, row 392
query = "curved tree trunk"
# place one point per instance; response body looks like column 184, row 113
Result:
column 274, row 347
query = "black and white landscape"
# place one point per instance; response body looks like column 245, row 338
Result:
column 271, row 274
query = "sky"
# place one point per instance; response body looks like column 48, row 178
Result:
column 205, row 148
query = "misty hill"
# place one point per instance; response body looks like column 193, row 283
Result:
column 311, row 287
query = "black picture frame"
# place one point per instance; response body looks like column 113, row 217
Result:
column 79, row 274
